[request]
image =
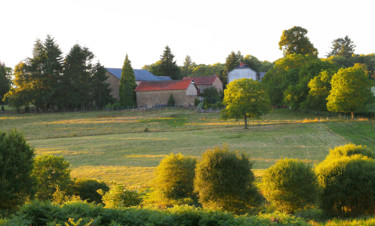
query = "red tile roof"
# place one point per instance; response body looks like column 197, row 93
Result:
column 202, row 80
column 163, row 85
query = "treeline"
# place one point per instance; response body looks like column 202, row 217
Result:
column 52, row 82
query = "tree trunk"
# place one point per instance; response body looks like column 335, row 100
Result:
column 245, row 122
column 352, row 115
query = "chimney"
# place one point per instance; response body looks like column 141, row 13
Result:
column 241, row 64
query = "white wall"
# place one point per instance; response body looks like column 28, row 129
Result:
column 241, row 73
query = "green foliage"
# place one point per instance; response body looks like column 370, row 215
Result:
column 342, row 47
column 351, row 90
column 5, row 81
column 16, row 159
column 319, row 88
column 349, row 150
column 166, row 66
column 290, row 185
column 99, row 87
column 186, row 69
column 224, row 181
column 245, row 98
column 118, row 197
column 171, row 101
column 232, row 61
column 127, row 85
column 347, row 184
column 51, row 172
column 175, row 177
column 211, row 95
column 294, row 40
column 87, row 189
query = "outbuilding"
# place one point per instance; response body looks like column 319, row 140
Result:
column 204, row 82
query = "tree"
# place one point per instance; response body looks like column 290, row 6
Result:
column 175, row 177
column 16, row 162
column 319, row 88
column 51, row 172
column 232, row 61
column 171, row 101
column 245, row 98
column 5, row 81
column 351, row 91
column 342, row 47
column 127, row 85
column 294, row 40
column 224, row 181
column 290, row 185
column 100, row 91
column 118, row 196
column 87, row 189
column 187, row 69
column 252, row 62
column 166, row 66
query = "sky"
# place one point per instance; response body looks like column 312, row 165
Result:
column 206, row 30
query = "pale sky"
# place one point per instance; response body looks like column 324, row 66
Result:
column 207, row 30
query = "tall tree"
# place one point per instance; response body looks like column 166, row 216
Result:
column 294, row 40
column 245, row 98
column 5, row 81
column 100, row 90
column 127, row 85
column 76, row 78
column 351, row 90
column 186, row 69
column 166, row 66
column 342, row 47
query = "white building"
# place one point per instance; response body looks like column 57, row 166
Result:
column 243, row 71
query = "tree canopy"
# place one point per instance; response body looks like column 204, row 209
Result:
column 245, row 98
column 5, row 81
column 342, row 47
column 351, row 90
column 166, row 66
column 294, row 40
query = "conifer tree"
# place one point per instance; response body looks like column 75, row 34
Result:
column 5, row 81
column 127, row 85
column 168, row 66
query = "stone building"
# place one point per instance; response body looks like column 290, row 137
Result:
column 204, row 82
column 114, row 76
column 243, row 71
column 157, row 93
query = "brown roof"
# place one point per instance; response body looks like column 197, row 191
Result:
column 202, row 80
column 163, row 85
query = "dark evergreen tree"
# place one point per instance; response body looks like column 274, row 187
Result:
column 186, row 69
column 342, row 47
column 232, row 61
column 100, row 91
column 168, row 66
column 127, row 85
column 5, row 81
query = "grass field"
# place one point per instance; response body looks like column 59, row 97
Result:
column 113, row 145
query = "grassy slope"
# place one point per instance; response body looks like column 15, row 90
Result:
column 113, row 145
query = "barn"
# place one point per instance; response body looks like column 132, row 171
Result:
column 204, row 82
column 156, row 93
column 114, row 76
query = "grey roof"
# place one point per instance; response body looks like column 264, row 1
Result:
column 140, row 75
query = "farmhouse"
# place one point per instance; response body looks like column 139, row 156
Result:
column 204, row 82
column 114, row 76
column 243, row 71
column 157, row 93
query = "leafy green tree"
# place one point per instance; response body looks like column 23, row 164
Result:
column 232, row 61
column 16, row 162
column 351, row 91
column 342, row 47
column 127, row 85
column 211, row 95
column 171, row 101
column 175, row 177
column 187, row 67
column 245, row 98
column 294, row 40
column 87, row 189
column 252, row 62
column 118, row 196
column 319, row 88
column 207, row 70
column 224, row 181
column 5, row 81
column 51, row 172
column 290, row 185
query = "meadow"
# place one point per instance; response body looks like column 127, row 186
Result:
column 126, row 146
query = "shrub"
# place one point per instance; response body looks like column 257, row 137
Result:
column 171, row 101
column 224, row 181
column 51, row 172
column 211, row 95
column 347, row 185
column 87, row 189
column 290, row 185
column 118, row 197
column 175, row 177
column 349, row 150
column 16, row 159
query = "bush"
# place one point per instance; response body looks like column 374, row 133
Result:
column 87, row 189
column 224, row 181
column 347, row 185
column 16, row 159
column 171, row 101
column 118, row 197
column 51, row 172
column 349, row 150
column 290, row 185
column 211, row 95
column 175, row 177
